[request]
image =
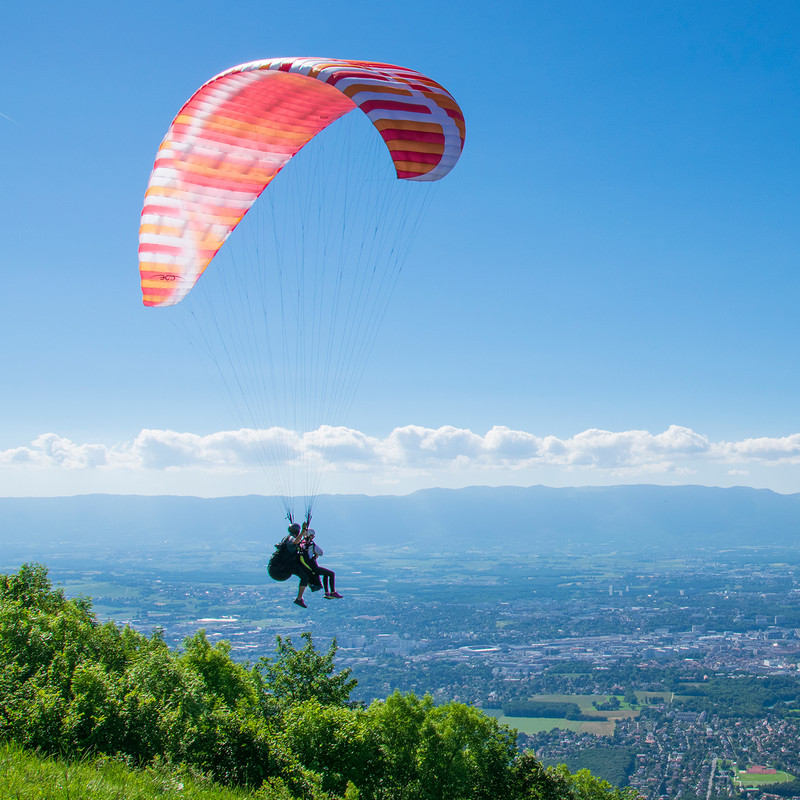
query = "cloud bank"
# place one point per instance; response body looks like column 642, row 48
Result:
column 410, row 448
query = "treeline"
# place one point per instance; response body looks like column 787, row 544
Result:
column 284, row 727
column 789, row 789
column 549, row 709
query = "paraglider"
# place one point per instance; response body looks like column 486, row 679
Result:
column 295, row 317
column 290, row 558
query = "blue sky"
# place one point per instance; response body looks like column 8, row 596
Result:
column 605, row 289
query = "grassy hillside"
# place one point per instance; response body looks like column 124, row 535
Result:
column 28, row 776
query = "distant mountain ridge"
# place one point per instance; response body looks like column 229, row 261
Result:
column 530, row 518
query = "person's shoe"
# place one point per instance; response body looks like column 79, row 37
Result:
column 328, row 596
column 336, row 595
column 300, row 602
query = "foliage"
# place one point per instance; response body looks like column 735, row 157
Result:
column 613, row 764
column 103, row 697
column 533, row 781
column 447, row 751
column 71, row 687
column 585, row 786
column 295, row 676
column 523, row 708
column 612, row 704
column 570, row 668
column 335, row 742
column 788, row 789
column 745, row 696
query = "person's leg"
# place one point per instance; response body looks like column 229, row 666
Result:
column 327, row 579
column 311, row 576
column 330, row 576
column 300, row 589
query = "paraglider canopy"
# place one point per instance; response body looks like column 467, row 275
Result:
column 240, row 128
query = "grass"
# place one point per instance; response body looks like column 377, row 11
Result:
column 532, row 725
column 603, row 726
column 584, row 703
column 750, row 779
column 28, row 776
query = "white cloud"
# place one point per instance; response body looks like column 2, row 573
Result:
column 154, row 449
column 785, row 449
column 435, row 455
column 341, row 445
column 413, row 445
column 614, row 450
column 51, row 450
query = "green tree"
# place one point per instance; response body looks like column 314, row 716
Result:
column 294, row 676
column 337, row 743
column 464, row 753
column 223, row 679
column 397, row 722
column 531, row 780
column 43, row 640
column 586, row 786
column 440, row 752
column 93, row 717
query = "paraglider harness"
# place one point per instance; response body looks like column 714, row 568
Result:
column 284, row 562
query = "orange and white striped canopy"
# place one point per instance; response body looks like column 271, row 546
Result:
column 240, row 128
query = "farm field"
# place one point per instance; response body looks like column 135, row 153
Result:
column 532, row 725
column 604, row 724
column 584, row 702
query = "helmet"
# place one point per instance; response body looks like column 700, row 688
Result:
column 294, row 529
column 311, row 532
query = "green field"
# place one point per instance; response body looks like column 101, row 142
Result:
column 602, row 726
column 750, row 779
column 584, row 702
column 532, row 725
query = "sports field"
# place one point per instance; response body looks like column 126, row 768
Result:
column 745, row 778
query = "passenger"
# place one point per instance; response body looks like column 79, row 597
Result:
column 308, row 557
